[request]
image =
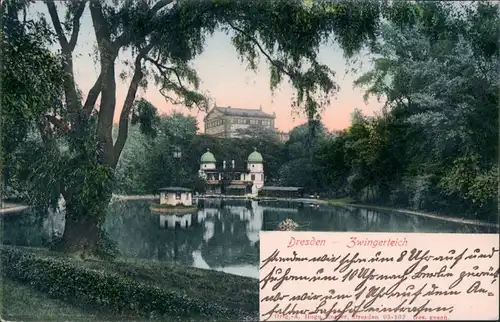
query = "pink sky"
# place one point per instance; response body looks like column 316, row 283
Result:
column 230, row 84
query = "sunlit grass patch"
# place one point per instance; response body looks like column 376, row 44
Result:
column 22, row 303
column 341, row 201
column 235, row 292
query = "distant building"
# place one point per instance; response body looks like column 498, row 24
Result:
column 175, row 195
column 247, row 179
column 228, row 121
column 283, row 136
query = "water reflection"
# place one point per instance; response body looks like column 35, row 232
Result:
column 181, row 221
column 223, row 235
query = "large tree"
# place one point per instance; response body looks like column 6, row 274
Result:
column 438, row 75
column 30, row 81
column 163, row 37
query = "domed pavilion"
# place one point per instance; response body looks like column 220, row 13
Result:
column 236, row 179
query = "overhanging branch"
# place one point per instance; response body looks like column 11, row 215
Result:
column 92, row 96
column 54, row 16
column 129, row 102
column 127, row 107
column 71, row 96
column 102, row 31
column 123, row 39
column 76, row 25
column 279, row 66
column 164, row 69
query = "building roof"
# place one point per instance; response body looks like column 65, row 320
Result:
column 244, row 112
column 255, row 157
column 208, row 157
column 175, row 189
column 271, row 188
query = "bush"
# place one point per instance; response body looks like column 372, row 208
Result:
column 68, row 282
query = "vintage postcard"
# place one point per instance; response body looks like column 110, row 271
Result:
column 246, row 160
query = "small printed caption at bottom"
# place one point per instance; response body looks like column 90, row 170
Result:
column 318, row 317
column 322, row 276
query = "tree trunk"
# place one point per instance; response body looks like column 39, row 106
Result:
column 81, row 234
column 82, row 228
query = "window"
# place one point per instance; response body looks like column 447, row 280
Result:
column 253, row 177
column 253, row 121
column 177, row 196
column 247, row 121
column 260, row 122
column 261, row 177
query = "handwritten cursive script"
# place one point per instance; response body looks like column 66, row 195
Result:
column 404, row 276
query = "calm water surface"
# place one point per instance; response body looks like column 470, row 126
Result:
column 223, row 235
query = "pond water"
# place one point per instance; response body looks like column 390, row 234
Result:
column 223, row 235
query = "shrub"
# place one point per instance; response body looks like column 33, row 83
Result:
column 69, row 282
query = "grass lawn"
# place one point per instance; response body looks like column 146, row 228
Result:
column 227, row 290
column 22, row 303
column 230, row 291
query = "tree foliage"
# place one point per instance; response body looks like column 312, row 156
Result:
column 435, row 144
column 163, row 36
column 30, row 80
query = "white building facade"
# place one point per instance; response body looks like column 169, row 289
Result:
column 174, row 196
column 251, row 176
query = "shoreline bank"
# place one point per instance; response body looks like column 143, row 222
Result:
column 420, row 214
column 373, row 207
column 11, row 208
